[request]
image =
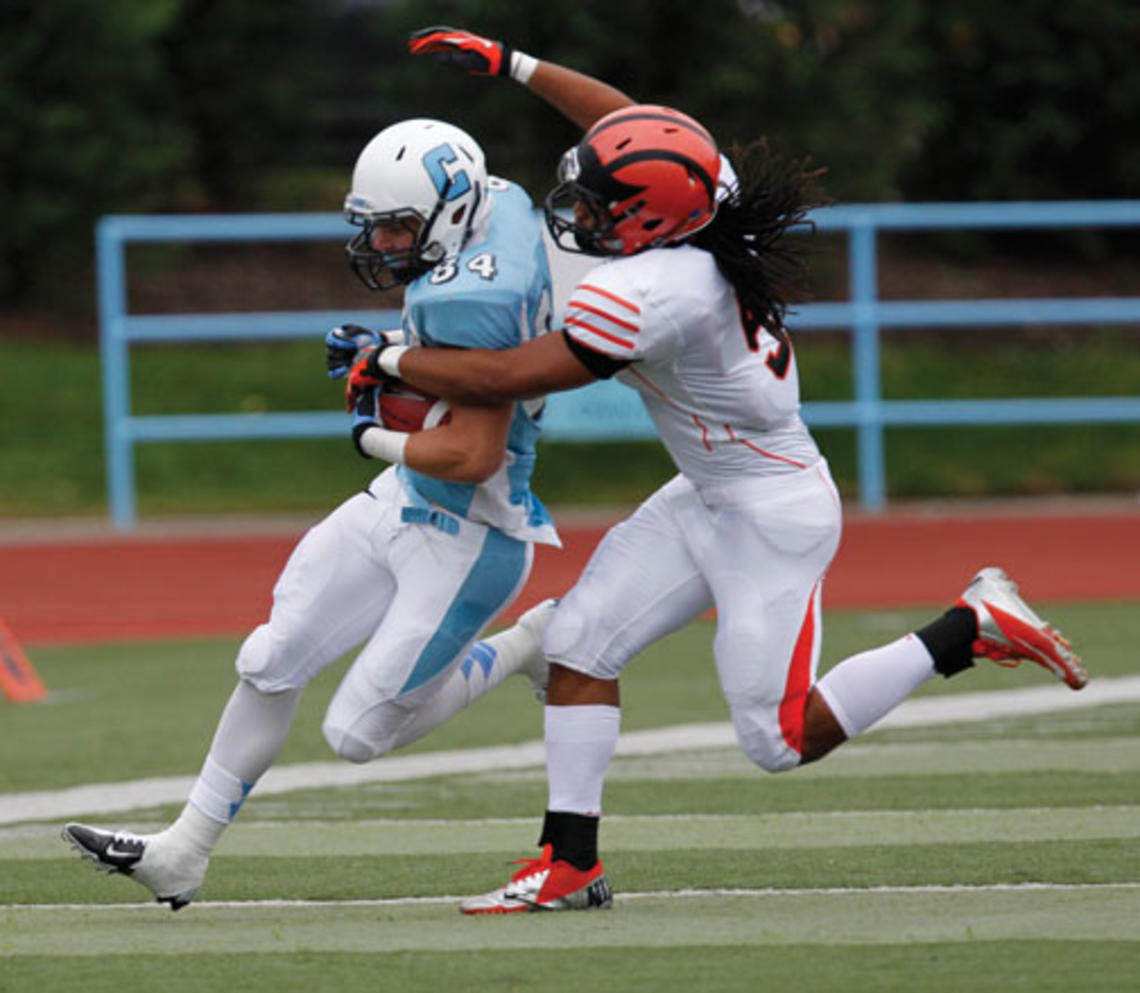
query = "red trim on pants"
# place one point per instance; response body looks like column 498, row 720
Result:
column 798, row 686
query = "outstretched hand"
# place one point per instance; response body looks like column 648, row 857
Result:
column 477, row 55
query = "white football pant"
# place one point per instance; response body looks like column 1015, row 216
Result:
column 416, row 594
column 756, row 549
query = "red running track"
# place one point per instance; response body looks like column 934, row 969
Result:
column 55, row 591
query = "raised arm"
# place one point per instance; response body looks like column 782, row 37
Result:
column 583, row 99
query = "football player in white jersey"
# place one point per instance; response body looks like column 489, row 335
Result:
column 688, row 310
column 433, row 548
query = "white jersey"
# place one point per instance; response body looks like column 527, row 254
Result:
column 725, row 408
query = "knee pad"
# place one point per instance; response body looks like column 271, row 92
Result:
column 563, row 631
column 579, row 637
column 348, row 747
column 361, row 735
column 259, row 662
column 765, row 746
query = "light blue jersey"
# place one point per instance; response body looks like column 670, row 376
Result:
column 495, row 294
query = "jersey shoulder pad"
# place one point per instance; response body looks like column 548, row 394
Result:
column 605, row 312
column 469, row 317
column 503, row 190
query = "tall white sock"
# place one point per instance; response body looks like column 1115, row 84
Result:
column 868, row 686
column 250, row 733
column 252, row 730
column 580, row 742
column 194, row 831
column 488, row 663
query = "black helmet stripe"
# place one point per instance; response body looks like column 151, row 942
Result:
column 600, row 179
column 642, row 115
column 660, row 153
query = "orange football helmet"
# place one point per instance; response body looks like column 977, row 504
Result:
column 642, row 177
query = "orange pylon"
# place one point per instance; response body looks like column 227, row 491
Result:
column 18, row 677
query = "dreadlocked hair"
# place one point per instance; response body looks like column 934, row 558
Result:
column 747, row 236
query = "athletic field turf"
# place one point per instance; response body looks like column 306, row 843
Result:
column 984, row 841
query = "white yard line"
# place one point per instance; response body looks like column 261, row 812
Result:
column 888, row 915
column 770, row 833
column 412, row 901
column 105, row 798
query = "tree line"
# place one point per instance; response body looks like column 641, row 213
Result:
column 234, row 105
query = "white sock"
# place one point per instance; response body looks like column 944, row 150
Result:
column 513, row 649
column 194, row 831
column 252, row 730
column 486, row 665
column 217, row 793
column 866, row 687
column 250, row 733
column 580, row 742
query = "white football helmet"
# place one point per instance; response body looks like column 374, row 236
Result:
column 426, row 175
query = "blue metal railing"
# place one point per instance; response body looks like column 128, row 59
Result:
column 607, row 410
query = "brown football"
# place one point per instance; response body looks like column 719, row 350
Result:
column 405, row 409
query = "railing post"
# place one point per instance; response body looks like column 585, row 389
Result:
column 112, row 293
column 866, row 365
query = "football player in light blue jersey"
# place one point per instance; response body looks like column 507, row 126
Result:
column 474, row 301
column 413, row 567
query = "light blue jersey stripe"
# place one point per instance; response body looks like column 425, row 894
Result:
column 492, row 579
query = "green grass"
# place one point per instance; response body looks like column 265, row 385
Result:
column 998, row 856
column 378, row 877
column 88, row 717
column 986, row 967
column 51, row 447
column 983, row 966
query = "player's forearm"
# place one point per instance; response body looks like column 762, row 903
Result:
column 436, row 452
column 581, row 98
column 481, row 376
column 470, row 375
column 473, row 375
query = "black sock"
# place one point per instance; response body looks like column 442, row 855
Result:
column 949, row 640
column 574, row 837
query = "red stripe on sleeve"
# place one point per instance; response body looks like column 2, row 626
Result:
column 599, row 332
column 579, row 305
column 610, row 296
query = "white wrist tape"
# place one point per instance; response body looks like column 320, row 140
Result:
column 522, row 66
column 389, row 361
column 380, row 443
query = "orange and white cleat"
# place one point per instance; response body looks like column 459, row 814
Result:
column 543, row 884
column 1009, row 632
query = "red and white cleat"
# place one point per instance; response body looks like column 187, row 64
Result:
column 542, row 884
column 1009, row 632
